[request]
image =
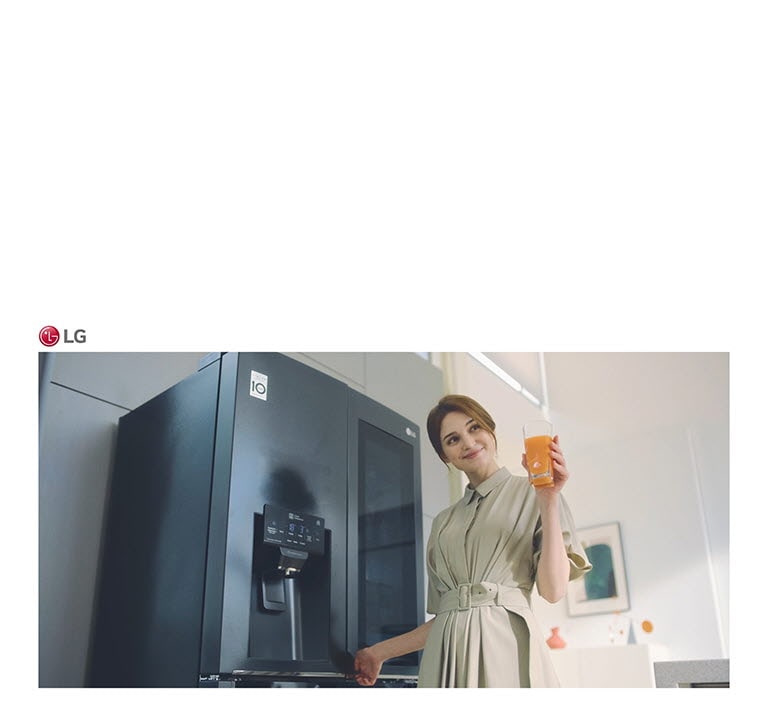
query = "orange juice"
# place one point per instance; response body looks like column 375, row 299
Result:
column 539, row 462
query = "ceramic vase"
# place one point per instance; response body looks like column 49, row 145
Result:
column 555, row 641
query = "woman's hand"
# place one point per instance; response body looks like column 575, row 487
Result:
column 367, row 667
column 560, row 472
column 369, row 660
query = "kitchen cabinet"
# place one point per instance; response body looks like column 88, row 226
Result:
column 626, row 666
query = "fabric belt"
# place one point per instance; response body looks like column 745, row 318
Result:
column 483, row 594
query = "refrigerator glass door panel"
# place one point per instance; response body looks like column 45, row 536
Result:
column 385, row 538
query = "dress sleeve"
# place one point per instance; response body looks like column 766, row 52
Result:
column 433, row 597
column 577, row 557
column 433, row 593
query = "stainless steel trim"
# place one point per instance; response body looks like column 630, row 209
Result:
column 265, row 673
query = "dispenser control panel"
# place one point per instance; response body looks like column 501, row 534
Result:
column 294, row 530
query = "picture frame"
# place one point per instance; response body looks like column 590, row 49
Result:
column 602, row 590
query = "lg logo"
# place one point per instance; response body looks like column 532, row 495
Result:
column 50, row 336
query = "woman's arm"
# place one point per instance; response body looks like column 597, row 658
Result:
column 554, row 568
column 368, row 661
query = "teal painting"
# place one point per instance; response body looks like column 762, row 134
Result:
column 600, row 583
column 603, row 589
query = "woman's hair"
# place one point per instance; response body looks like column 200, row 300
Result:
column 462, row 404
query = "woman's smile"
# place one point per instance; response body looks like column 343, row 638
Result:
column 468, row 446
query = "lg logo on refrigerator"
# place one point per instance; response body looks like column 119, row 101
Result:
column 50, row 336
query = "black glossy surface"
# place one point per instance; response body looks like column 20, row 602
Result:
column 149, row 609
column 289, row 451
column 386, row 548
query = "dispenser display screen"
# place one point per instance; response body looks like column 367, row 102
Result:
column 294, row 530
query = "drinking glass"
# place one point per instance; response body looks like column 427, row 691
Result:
column 537, row 436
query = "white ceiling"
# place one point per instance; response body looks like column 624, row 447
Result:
column 611, row 394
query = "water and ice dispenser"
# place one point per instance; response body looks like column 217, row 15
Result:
column 289, row 539
column 264, row 522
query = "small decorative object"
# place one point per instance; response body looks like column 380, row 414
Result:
column 646, row 626
column 620, row 629
column 555, row 641
column 604, row 588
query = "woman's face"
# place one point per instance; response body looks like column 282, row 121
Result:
column 466, row 445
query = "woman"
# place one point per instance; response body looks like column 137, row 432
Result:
column 483, row 556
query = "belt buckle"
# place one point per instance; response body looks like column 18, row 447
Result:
column 465, row 597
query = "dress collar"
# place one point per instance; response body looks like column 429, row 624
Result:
column 498, row 477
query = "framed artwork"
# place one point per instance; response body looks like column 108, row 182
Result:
column 603, row 589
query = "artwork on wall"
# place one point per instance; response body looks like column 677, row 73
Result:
column 603, row 589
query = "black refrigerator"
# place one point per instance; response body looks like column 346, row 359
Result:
column 263, row 523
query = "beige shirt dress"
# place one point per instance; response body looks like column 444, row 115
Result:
column 482, row 557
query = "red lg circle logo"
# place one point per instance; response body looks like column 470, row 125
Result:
column 49, row 336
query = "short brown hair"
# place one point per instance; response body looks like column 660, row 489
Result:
column 462, row 404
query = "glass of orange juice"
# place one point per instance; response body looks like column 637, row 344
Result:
column 537, row 436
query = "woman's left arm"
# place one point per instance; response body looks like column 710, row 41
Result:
column 553, row 568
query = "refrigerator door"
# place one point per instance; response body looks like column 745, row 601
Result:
column 288, row 450
column 386, row 589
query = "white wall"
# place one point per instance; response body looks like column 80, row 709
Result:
column 658, row 465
